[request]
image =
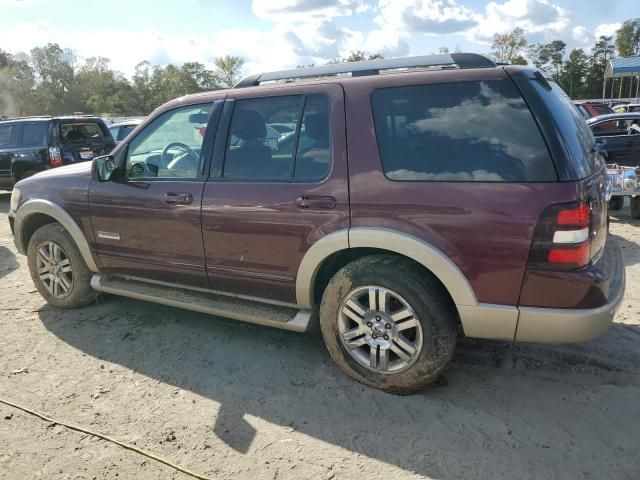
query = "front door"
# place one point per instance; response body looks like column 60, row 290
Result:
column 146, row 221
column 622, row 148
column 278, row 185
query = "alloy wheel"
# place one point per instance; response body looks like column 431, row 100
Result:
column 379, row 329
column 54, row 269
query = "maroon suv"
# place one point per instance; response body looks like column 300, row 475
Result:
column 409, row 199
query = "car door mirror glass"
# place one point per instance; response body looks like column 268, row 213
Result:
column 106, row 165
column 272, row 143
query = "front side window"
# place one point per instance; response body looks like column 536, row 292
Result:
column 5, row 134
column 613, row 128
column 282, row 139
column 468, row 131
column 33, row 134
column 171, row 145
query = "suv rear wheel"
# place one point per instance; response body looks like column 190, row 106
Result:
column 616, row 203
column 635, row 207
column 388, row 325
column 58, row 269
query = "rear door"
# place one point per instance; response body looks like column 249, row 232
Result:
column 271, row 196
column 31, row 153
column 82, row 139
column 621, row 147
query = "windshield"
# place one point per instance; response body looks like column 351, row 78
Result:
column 78, row 132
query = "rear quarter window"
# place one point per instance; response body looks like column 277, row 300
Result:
column 467, row 131
column 33, row 134
column 5, row 134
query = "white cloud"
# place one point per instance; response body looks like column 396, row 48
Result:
column 607, row 29
column 305, row 10
column 539, row 18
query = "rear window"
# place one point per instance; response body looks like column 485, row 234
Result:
column 468, row 131
column 602, row 110
column 78, row 132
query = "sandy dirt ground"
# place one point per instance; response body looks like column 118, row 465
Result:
column 237, row 401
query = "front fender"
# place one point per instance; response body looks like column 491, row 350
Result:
column 46, row 207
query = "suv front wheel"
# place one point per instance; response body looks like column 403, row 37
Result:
column 388, row 324
column 58, row 269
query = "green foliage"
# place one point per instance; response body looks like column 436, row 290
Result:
column 548, row 57
column 357, row 56
column 628, row 38
column 51, row 81
column 508, row 48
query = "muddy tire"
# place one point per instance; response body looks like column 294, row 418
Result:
column 388, row 324
column 616, row 203
column 58, row 269
column 635, row 207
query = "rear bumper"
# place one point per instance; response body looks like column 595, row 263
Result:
column 558, row 325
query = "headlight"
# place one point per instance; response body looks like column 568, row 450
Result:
column 15, row 198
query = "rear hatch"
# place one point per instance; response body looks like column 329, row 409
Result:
column 82, row 139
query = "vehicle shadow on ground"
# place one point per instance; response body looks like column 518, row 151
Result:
column 8, row 261
column 506, row 401
column 4, row 201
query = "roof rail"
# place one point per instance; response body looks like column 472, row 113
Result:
column 372, row 67
column 26, row 117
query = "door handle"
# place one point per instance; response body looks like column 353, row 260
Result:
column 315, row 201
column 178, row 198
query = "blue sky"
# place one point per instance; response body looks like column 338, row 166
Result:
column 272, row 34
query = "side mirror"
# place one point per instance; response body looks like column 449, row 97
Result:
column 106, row 165
column 272, row 143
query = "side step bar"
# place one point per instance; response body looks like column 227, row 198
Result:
column 284, row 317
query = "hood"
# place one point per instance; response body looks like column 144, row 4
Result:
column 62, row 185
column 81, row 169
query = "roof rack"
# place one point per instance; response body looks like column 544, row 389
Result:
column 372, row 67
column 27, row 117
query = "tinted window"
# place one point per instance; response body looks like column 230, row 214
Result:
column 470, row 131
column 33, row 134
column 613, row 127
column 259, row 151
column 124, row 131
column 5, row 134
column 78, row 132
column 171, row 145
column 313, row 158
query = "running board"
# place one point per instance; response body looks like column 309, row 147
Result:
column 251, row 311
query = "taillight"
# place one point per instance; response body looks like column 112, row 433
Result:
column 562, row 240
column 55, row 157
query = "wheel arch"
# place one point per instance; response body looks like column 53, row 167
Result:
column 346, row 243
column 33, row 214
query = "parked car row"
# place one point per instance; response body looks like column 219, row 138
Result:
column 397, row 209
column 31, row 144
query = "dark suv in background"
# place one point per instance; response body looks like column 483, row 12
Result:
column 30, row 145
column 414, row 198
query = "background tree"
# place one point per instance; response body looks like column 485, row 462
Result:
column 601, row 53
column 508, row 48
column 628, row 38
column 229, row 70
column 574, row 72
column 549, row 57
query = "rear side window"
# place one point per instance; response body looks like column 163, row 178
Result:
column 468, row 131
column 79, row 132
column 571, row 126
column 124, row 131
column 33, row 134
column 259, row 151
column 5, row 134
